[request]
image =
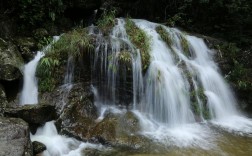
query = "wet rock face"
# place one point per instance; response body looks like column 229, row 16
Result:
column 10, row 61
column 14, row 137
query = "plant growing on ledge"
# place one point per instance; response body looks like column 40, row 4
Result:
column 107, row 20
column 76, row 43
column 140, row 40
column 164, row 35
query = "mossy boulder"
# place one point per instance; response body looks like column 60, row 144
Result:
column 14, row 137
column 10, row 61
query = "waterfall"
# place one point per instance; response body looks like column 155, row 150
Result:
column 29, row 94
column 183, row 85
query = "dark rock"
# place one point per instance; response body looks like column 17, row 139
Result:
column 33, row 114
column 79, row 114
column 27, row 47
column 10, row 61
column 38, row 147
column 3, row 100
column 14, row 137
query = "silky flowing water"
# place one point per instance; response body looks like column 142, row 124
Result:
column 209, row 123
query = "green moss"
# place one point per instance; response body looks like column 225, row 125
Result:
column 185, row 46
column 195, row 105
column 164, row 35
column 140, row 39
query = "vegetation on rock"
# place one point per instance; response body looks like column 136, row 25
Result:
column 76, row 43
column 140, row 39
column 164, row 35
column 107, row 21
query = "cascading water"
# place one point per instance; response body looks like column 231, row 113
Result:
column 29, row 94
column 179, row 88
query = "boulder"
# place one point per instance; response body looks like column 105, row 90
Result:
column 38, row 147
column 10, row 61
column 14, row 137
column 79, row 113
column 33, row 114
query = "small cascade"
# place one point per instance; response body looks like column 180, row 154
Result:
column 67, row 84
column 166, row 96
column 29, row 94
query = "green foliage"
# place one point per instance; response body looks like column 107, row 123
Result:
column 125, row 58
column 164, row 35
column 107, row 20
column 140, row 40
column 35, row 12
column 239, row 75
column 76, row 43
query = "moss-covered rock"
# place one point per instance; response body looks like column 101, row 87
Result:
column 10, row 61
column 120, row 131
column 14, row 137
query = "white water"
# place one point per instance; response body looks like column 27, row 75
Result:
column 29, row 94
column 59, row 145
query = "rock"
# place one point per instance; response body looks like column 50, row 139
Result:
column 79, row 113
column 10, row 61
column 33, row 114
column 119, row 130
column 3, row 100
column 14, row 137
column 38, row 147
column 27, row 47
